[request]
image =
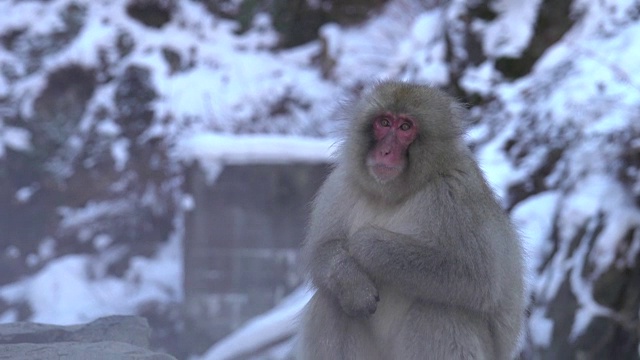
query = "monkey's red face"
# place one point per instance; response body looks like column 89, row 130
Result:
column 393, row 133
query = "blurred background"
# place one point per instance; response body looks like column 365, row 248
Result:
column 157, row 157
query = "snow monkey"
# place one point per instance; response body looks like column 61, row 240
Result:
column 411, row 254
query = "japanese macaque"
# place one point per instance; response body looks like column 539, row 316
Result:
column 411, row 254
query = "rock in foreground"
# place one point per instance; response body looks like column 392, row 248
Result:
column 113, row 337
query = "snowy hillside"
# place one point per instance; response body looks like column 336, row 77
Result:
column 103, row 102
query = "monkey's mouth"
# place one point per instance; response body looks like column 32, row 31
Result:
column 384, row 173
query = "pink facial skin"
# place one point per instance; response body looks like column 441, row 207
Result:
column 393, row 134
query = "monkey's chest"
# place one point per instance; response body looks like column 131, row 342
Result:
column 390, row 315
column 398, row 219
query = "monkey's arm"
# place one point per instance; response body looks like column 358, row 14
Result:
column 333, row 270
column 329, row 265
column 425, row 270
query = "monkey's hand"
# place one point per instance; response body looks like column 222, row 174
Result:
column 355, row 291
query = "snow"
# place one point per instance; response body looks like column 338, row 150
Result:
column 534, row 218
column 59, row 293
column 120, row 153
column 540, row 328
column 108, row 127
column 275, row 326
column 213, row 150
column 244, row 149
column 582, row 288
column 102, row 241
column 594, row 194
column 424, row 50
column 74, row 217
column 497, row 168
column 14, row 138
column 480, row 79
column 619, row 223
column 236, row 101
column 72, row 289
column 25, row 193
column 381, row 47
column 508, row 34
column 158, row 278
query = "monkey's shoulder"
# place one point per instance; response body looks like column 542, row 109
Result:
column 465, row 187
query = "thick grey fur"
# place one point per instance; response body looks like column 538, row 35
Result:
column 425, row 266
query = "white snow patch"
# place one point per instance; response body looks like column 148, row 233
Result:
column 73, row 217
column 362, row 54
column 583, row 203
column 422, row 56
column 120, row 153
column 540, row 328
column 480, row 79
column 511, row 31
column 500, row 173
column 618, row 222
column 187, row 202
column 47, row 248
column 159, row 277
column 108, row 128
column 14, row 138
column 62, row 293
column 9, row 316
column 102, row 241
column 73, row 289
column 600, row 193
column 25, row 193
column 583, row 288
column 213, row 151
column 272, row 327
column 253, row 149
column 534, row 218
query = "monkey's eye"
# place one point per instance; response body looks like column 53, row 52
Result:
column 385, row 122
column 406, row 126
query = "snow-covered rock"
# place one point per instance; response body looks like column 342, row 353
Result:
column 113, row 337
